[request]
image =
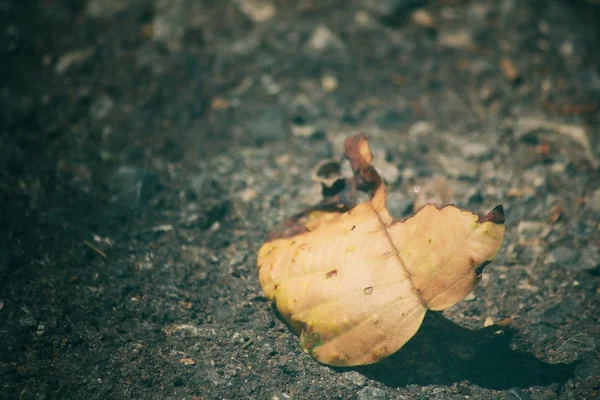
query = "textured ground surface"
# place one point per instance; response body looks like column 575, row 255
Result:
column 148, row 147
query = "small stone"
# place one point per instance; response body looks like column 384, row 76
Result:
column 437, row 191
column 420, row 128
column 101, row 107
column 169, row 25
column 489, row 321
column 323, row 40
column 594, row 202
column 364, row 19
column 267, row 350
column 388, row 171
column 187, row 361
column 329, row 83
column 371, row 393
column 257, row 10
column 355, row 378
column 535, row 177
column 517, row 394
column 476, row 151
column 29, row 322
column 458, row 167
column 509, row 69
column 104, row 8
column 423, row 18
column 77, row 57
column 459, row 40
column 589, row 260
column 281, row 396
column 563, row 256
column 532, row 230
column 306, row 131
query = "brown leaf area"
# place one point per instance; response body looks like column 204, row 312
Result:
column 355, row 284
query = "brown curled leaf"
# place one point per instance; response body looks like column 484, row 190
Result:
column 355, row 284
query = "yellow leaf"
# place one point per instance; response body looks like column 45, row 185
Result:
column 354, row 284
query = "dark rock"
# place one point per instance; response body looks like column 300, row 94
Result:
column 559, row 312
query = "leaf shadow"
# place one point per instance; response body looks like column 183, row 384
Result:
column 443, row 355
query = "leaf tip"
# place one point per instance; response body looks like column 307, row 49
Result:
column 495, row 216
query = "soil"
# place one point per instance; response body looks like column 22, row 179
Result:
column 148, row 147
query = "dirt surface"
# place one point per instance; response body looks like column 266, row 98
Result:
column 147, row 147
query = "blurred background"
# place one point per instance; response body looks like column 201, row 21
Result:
column 147, row 147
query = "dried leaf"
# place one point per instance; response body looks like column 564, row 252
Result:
column 354, row 284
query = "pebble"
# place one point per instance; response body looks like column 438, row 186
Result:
column 420, row 128
column 76, row 57
column 594, row 202
column 563, row 256
column 458, row 167
column 257, row 10
column 268, row 350
column 459, row 40
column 28, row 322
column 476, row 151
column 531, row 230
column 423, row 18
column 323, row 40
column 169, row 25
column 517, row 394
column 101, row 107
column 355, row 378
column 589, row 260
column 371, row 393
column 104, row 8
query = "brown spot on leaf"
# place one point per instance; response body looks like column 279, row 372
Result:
column 368, row 290
column 331, row 274
column 353, row 227
column 276, row 286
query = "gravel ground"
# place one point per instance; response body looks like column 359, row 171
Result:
column 147, row 147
